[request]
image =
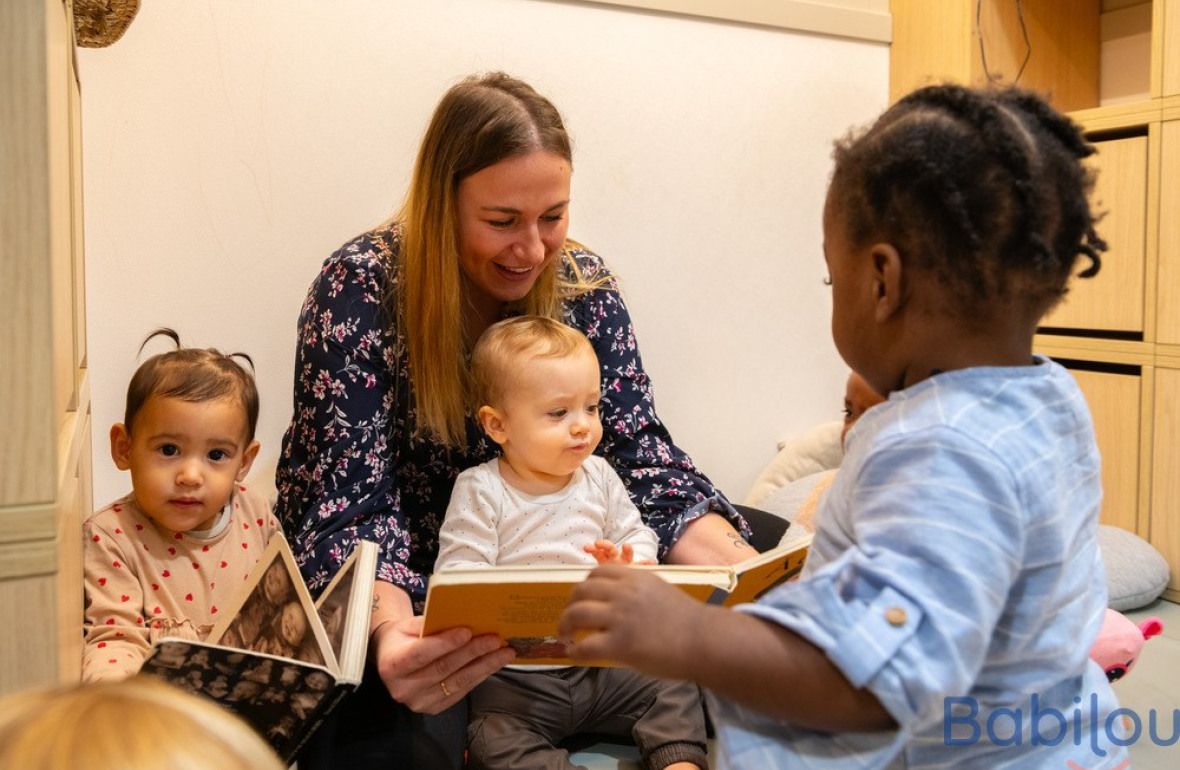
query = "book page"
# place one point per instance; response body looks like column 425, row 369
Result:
column 276, row 696
column 345, row 608
column 276, row 615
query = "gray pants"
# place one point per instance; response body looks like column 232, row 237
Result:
column 518, row 717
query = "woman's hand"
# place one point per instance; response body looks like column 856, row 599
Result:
column 611, row 615
column 427, row 675
column 430, row 674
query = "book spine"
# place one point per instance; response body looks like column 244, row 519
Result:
column 318, row 717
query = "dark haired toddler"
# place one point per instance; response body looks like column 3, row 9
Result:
column 162, row 560
column 954, row 586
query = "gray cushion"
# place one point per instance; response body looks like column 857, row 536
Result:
column 1136, row 573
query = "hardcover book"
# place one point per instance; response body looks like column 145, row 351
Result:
column 279, row 660
column 523, row 604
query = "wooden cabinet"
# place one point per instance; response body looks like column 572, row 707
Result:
column 1113, row 299
column 968, row 41
column 1114, row 396
column 45, row 481
column 1164, row 533
column 1114, row 65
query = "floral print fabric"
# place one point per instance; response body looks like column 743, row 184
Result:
column 351, row 468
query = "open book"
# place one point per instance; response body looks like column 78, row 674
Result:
column 523, row 604
column 278, row 660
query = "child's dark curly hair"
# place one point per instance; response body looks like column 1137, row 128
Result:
column 983, row 188
column 193, row 374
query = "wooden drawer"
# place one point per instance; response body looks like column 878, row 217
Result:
column 1112, row 301
column 1115, row 398
column 1165, row 479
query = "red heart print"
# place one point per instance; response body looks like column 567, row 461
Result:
column 116, row 508
column 124, row 598
column 119, row 634
column 213, row 610
column 156, row 611
column 118, row 531
column 245, row 525
column 102, row 581
column 155, row 586
column 171, row 550
column 110, row 621
column 188, row 597
column 139, row 527
column 245, row 546
column 224, row 564
column 101, row 645
column 112, row 660
column 179, row 536
column 258, row 522
column 204, row 548
column 116, row 564
column 196, row 566
column 96, row 538
column 166, row 573
column 241, row 488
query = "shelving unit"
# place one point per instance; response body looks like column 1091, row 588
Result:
column 1114, row 66
column 44, row 392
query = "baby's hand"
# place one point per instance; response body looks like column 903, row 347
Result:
column 606, row 552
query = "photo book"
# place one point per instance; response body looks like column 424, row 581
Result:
column 277, row 659
column 523, row 604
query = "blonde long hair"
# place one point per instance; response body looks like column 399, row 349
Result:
column 478, row 123
column 136, row 724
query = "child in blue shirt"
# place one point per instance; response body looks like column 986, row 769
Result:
column 954, row 586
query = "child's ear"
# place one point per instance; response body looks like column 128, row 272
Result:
column 248, row 459
column 888, row 281
column 492, row 423
column 121, row 446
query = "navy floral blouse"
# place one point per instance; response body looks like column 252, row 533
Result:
column 351, row 469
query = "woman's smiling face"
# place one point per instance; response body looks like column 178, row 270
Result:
column 513, row 218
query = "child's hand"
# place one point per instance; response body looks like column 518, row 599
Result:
column 606, row 552
column 611, row 615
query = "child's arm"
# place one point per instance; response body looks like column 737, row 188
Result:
column 738, row 656
column 468, row 536
column 115, row 635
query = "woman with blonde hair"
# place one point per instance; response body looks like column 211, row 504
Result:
column 383, row 422
column 133, row 724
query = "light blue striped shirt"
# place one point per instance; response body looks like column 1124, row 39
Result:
column 956, row 557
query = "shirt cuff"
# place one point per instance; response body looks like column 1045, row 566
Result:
column 861, row 635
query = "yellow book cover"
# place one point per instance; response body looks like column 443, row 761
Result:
column 758, row 574
column 523, row 604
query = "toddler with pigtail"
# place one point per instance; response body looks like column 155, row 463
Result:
column 163, row 560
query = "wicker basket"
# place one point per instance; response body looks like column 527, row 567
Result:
column 98, row 23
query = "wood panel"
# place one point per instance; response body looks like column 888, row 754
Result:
column 27, row 455
column 938, row 41
column 1165, row 480
column 45, row 474
column 1113, row 300
column 27, row 655
column 1114, row 401
column 1168, row 268
column 1167, row 20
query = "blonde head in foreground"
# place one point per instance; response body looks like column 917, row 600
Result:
column 135, row 724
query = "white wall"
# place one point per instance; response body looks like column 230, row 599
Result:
column 231, row 146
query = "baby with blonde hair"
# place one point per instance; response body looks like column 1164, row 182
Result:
column 135, row 724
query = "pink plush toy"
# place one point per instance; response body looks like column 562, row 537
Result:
column 1120, row 641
